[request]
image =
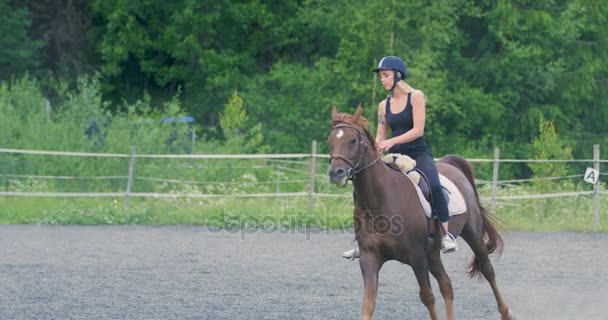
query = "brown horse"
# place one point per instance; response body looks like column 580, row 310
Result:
column 390, row 223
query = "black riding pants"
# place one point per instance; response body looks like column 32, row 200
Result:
column 426, row 164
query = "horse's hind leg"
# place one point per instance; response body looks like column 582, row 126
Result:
column 421, row 271
column 482, row 263
column 445, row 284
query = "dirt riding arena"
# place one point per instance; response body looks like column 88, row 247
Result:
column 134, row 272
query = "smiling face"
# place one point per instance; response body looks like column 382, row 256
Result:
column 387, row 77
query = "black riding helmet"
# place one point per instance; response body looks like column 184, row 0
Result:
column 393, row 63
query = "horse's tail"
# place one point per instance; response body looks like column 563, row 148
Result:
column 491, row 235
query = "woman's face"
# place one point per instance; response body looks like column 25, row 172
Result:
column 387, row 77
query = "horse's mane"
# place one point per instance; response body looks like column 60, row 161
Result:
column 361, row 122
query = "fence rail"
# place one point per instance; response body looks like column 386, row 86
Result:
column 307, row 170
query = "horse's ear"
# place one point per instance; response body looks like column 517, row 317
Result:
column 334, row 113
column 357, row 114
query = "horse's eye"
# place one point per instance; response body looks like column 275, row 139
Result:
column 353, row 141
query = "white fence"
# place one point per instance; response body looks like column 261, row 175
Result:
column 302, row 167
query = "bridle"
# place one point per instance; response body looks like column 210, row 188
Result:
column 355, row 168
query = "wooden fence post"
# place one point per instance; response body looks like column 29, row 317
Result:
column 596, row 186
column 313, row 171
column 130, row 178
column 495, row 178
column 277, row 179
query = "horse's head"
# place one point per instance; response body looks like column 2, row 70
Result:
column 351, row 147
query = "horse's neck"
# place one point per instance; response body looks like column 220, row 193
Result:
column 370, row 185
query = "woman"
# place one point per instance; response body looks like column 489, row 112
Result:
column 404, row 112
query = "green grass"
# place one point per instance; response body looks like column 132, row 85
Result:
column 556, row 214
column 574, row 213
column 264, row 213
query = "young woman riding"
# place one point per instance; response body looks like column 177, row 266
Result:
column 403, row 111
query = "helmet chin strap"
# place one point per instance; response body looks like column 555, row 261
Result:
column 396, row 79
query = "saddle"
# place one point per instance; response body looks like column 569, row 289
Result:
column 407, row 165
column 453, row 197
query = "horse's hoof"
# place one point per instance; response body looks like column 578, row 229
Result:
column 508, row 316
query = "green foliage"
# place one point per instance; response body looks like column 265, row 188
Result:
column 538, row 61
column 294, row 112
column 18, row 52
column 491, row 70
column 239, row 133
column 79, row 121
column 208, row 46
column 573, row 213
column 549, row 145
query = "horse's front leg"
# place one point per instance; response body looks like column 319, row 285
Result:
column 445, row 284
column 370, row 267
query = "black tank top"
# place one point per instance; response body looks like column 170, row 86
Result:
column 401, row 123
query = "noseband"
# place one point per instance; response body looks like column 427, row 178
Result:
column 355, row 168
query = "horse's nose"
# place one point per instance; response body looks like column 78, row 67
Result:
column 338, row 173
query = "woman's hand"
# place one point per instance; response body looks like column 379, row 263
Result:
column 385, row 145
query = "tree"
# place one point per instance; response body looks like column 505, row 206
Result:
column 549, row 145
column 239, row 134
column 64, row 27
column 209, row 48
column 491, row 70
column 18, row 52
column 525, row 62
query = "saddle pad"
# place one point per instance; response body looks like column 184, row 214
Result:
column 456, row 204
